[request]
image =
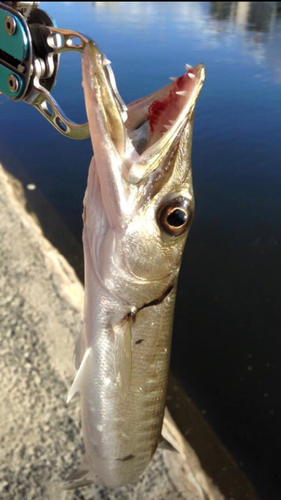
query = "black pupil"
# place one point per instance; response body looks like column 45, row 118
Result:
column 177, row 218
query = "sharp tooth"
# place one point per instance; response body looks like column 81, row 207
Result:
column 173, row 78
column 106, row 61
column 167, row 127
column 172, row 122
column 188, row 67
column 191, row 75
column 182, row 92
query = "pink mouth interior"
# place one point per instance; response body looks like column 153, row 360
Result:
column 168, row 108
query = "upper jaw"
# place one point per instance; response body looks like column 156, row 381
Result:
column 160, row 117
column 167, row 110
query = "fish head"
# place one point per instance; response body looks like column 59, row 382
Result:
column 143, row 171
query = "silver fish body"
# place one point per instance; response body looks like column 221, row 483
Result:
column 138, row 209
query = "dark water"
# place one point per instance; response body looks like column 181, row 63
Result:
column 226, row 347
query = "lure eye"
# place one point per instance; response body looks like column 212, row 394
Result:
column 176, row 217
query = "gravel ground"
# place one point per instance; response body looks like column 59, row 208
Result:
column 40, row 437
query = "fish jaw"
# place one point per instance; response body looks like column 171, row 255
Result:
column 114, row 125
column 167, row 112
column 137, row 182
column 104, row 104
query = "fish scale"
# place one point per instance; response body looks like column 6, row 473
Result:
column 138, row 210
column 141, row 414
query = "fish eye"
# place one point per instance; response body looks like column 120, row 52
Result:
column 176, row 216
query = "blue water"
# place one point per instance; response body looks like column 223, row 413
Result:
column 226, row 347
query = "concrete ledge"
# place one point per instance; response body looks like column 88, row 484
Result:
column 41, row 303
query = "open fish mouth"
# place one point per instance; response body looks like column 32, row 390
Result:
column 162, row 115
column 153, row 124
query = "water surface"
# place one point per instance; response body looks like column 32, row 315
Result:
column 226, row 347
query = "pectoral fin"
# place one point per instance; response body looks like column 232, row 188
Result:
column 79, row 349
column 123, row 355
column 79, row 376
column 165, row 445
column 81, row 477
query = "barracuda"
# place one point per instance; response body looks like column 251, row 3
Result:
column 138, row 210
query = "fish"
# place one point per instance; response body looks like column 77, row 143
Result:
column 138, row 210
